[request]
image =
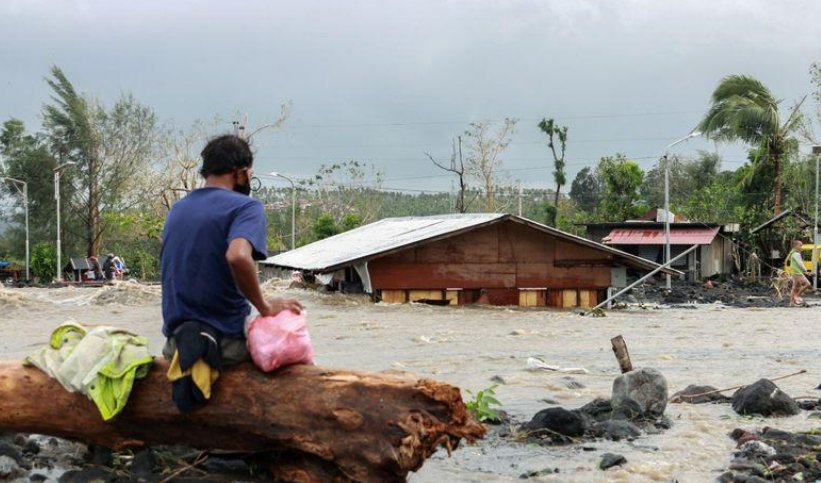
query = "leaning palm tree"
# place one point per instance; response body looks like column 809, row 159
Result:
column 743, row 109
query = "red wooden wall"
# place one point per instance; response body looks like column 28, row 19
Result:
column 506, row 255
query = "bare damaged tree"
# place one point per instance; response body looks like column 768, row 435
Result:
column 485, row 148
column 458, row 170
column 553, row 131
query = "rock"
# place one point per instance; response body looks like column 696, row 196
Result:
column 756, row 449
column 538, row 473
column 715, row 397
column 31, row 447
column 765, row 398
column 8, row 467
column 598, row 409
column 615, row 430
column 88, row 475
column 37, row 477
column 571, row 383
column 143, row 463
column 553, row 421
column 498, row 379
column 99, row 455
column 810, row 405
column 226, row 466
column 609, row 460
column 645, row 389
column 629, row 409
column 11, row 451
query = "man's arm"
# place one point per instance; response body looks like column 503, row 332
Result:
column 244, row 271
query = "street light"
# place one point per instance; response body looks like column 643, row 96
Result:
column 667, row 201
column 816, row 151
column 57, row 172
column 293, row 206
column 25, row 192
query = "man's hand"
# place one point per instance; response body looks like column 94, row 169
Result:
column 278, row 304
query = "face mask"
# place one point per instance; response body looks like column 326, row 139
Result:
column 243, row 188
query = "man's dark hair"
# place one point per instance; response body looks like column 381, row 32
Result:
column 224, row 154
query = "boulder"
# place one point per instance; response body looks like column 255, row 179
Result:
column 615, row 430
column 8, row 468
column 552, row 421
column 598, row 409
column 765, row 398
column 641, row 390
column 609, row 460
column 692, row 389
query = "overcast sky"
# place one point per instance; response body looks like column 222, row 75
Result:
column 385, row 81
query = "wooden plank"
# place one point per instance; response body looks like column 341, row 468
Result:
column 477, row 246
column 519, row 243
column 541, row 298
column 549, row 276
column 416, row 295
column 394, row 296
column 569, row 298
column 554, row 298
column 501, row 296
column 453, row 295
column 565, row 250
column 584, row 299
column 388, row 275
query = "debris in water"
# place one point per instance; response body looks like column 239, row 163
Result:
column 536, row 364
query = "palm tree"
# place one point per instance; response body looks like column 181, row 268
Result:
column 744, row 109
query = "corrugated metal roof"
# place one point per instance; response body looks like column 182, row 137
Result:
column 690, row 236
column 375, row 238
column 391, row 234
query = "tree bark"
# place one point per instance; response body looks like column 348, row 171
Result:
column 315, row 424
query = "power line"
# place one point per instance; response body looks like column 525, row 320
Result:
column 441, row 122
column 423, row 145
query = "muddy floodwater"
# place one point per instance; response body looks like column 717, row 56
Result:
column 470, row 346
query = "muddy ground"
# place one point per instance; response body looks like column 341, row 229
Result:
column 475, row 347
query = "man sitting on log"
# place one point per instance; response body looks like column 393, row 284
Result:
column 210, row 242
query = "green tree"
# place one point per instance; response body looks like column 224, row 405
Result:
column 744, row 109
column 26, row 157
column 686, row 176
column 324, row 227
column 587, row 190
column 112, row 148
column 351, row 221
column 44, row 262
column 554, row 131
column 622, row 179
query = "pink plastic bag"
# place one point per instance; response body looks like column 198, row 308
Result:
column 280, row 341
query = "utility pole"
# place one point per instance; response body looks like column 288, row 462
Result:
column 57, row 172
column 816, row 151
column 667, row 217
column 667, row 201
column 520, row 199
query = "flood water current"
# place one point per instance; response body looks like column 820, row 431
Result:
column 471, row 346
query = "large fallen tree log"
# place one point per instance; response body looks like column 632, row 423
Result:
column 316, row 424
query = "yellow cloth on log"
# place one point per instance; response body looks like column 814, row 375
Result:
column 201, row 373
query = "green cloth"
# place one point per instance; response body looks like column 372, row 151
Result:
column 101, row 363
column 795, row 266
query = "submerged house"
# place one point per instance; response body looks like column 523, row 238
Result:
column 646, row 238
column 461, row 259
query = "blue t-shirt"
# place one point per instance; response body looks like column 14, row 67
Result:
column 196, row 280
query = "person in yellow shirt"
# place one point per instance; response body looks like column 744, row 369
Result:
column 795, row 266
